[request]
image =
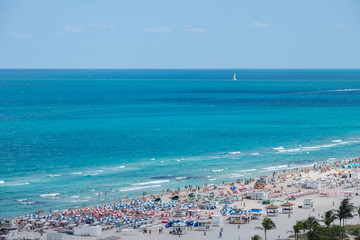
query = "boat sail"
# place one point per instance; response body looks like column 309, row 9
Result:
column 234, row 78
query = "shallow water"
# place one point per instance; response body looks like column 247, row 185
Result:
column 81, row 133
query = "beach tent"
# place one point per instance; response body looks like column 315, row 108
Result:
column 272, row 210
column 204, row 224
column 287, row 207
column 308, row 203
column 256, row 213
column 239, row 217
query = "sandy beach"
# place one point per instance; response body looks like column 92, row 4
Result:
column 334, row 182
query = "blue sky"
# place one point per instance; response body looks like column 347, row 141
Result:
column 179, row 34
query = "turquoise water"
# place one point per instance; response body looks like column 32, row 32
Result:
column 81, row 133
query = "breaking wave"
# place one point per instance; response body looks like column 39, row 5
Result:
column 151, row 182
column 334, row 143
column 129, row 189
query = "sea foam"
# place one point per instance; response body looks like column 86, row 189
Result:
column 179, row 178
column 49, row 195
column 151, row 182
column 236, row 175
column 248, row 170
column 279, row 148
column 334, row 143
column 345, row 90
column 19, row 183
column 234, row 153
column 119, row 167
column 53, row 175
column 129, row 189
column 274, row 168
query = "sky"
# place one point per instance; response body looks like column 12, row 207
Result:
column 235, row 34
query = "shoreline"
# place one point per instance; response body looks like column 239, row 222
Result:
column 283, row 187
column 206, row 185
column 287, row 170
column 71, row 197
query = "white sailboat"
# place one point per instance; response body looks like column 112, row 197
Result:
column 234, row 78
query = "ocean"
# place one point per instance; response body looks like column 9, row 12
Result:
column 81, row 133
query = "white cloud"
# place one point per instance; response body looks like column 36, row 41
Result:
column 260, row 25
column 157, row 29
column 71, row 28
column 192, row 29
column 101, row 26
column 26, row 36
column 18, row 35
column 340, row 26
column 67, row 29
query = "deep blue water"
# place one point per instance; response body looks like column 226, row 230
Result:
column 83, row 132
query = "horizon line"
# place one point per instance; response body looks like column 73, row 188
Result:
column 325, row 68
